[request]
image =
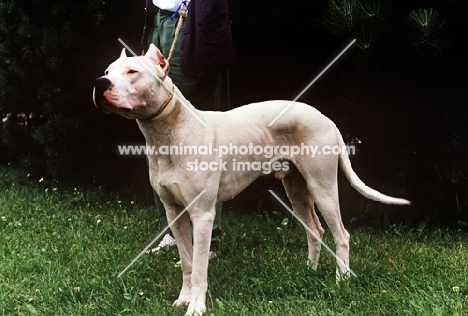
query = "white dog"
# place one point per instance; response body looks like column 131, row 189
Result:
column 139, row 88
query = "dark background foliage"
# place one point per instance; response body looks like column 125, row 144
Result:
column 399, row 94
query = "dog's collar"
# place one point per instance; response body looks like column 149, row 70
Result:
column 162, row 107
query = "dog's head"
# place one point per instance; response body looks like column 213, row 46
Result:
column 133, row 86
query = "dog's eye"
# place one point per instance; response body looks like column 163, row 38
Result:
column 106, row 72
column 132, row 71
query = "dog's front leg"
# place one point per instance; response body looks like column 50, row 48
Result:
column 202, row 221
column 183, row 237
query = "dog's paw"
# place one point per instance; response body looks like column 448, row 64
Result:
column 181, row 302
column 342, row 277
column 196, row 309
column 312, row 264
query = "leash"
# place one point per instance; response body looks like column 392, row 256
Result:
column 182, row 11
column 143, row 35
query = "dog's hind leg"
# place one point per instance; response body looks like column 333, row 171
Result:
column 330, row 209
column 323, row 186
column 303, row 206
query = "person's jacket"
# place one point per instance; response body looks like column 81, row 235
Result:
column 207, row 44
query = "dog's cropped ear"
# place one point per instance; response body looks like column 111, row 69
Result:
column 155, row 55
column 123, row 54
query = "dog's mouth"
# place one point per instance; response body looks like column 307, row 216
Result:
column 129, row 113
column 108, row 108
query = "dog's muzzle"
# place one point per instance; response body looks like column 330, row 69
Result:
column 102, row 85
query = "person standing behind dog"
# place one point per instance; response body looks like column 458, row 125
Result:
column 200, row 56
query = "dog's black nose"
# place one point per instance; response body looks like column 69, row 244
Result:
column 102, row 84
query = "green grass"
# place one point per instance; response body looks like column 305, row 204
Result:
column 61, row 250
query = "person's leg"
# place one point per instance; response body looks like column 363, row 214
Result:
column 221, row 102
column 222, row 95
column 207, row 93
column 162, row 213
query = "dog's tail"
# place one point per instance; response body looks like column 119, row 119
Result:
column 361, row 187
